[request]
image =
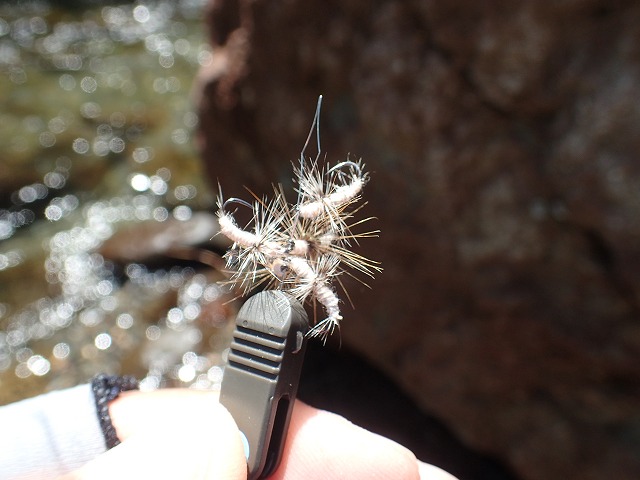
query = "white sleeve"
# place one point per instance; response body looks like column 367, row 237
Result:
column 49, row 435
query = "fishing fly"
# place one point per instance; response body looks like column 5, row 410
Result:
column 302, row 248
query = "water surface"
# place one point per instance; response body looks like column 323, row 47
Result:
column 98, row 174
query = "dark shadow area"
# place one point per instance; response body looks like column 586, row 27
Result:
column 342, row 382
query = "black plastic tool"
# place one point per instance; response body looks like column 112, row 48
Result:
column 261, row 380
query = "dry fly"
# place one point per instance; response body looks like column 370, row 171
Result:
column 302, row 248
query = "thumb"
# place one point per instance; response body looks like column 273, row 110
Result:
column 199, row 441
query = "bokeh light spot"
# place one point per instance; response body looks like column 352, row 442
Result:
column 103, row 341
column 140, row 182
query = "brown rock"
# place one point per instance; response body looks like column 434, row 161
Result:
column 503, row 144
column 146, row 240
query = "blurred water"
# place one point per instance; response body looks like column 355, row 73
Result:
column 98, row 161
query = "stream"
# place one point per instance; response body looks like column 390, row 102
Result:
column 104, row 207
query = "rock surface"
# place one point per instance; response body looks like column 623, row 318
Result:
column 503, row 144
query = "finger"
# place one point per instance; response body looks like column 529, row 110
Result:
column 178, row 435
column 199, row 439
column 429, row 472
column 322, row 445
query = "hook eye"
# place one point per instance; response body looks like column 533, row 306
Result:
column 235, row 200
column 347, row 163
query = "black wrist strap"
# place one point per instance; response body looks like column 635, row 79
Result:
column 106, row 388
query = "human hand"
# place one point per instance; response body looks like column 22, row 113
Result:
column 187, row 434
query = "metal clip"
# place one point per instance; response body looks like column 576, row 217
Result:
column 261, row 380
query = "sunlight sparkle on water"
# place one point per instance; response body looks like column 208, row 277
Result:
column 103, row 341
column 160, row 214
column 124, row 321
column 142, row 155
column 38, row 365
column 10, row 259
column 107, row 74
column 81, row 145
column 158, row 185
column 140, row 182
column 61, row 350
column 186, row 373
column 182, row 212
